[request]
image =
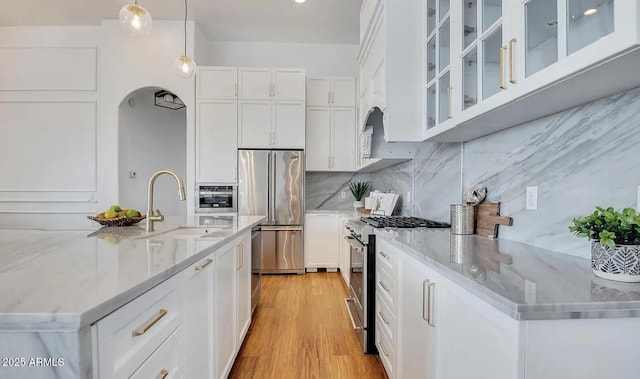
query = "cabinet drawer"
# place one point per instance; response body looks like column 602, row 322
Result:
column 166, row 362
column 128, row 336
column 386, row 319
column 387, row 352
column 385, row 288
column 386, row 256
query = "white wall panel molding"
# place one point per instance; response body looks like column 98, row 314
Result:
column 49, row 147
column 48, row 68
column 47, row 196
column 48, row 96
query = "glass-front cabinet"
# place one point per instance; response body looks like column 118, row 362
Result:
column 437, row 33
column 481, row 55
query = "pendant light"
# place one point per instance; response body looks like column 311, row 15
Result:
column 185, row 66
column 135, row 19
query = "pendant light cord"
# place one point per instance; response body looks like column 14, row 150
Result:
column 185, row 27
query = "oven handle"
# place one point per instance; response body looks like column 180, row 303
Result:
column 355, row 244
column 347, row 300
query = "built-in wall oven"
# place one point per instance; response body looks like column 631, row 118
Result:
column 215, row 197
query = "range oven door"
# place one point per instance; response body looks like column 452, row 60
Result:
column 357, row 303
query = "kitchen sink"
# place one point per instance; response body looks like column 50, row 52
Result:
column 193, row 232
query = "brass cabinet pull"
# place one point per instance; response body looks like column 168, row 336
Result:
column 431, row 307
column 333, row 97
column 138, row 332
column 241, row 255
column 329, row 97
column 512, row 44
column 164, row 373
column 385, row 256
column 384, row 351
column 502, row 84
column 384, row 286
column 425, row 301
column 205, row 264
column 383, row 318
column 449, row 90
column 235, row 89
column 238, row 255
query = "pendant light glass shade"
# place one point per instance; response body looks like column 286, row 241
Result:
column 185, row 66
column 135, row 19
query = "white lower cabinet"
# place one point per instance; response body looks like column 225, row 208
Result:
column 225, row 323
column 168, row 361
column 199, row 293
column 243, row 286
column 321, row 237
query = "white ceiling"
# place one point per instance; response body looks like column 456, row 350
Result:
column 316, row 21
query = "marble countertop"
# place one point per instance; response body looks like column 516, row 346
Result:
column 346, row 213
column 523, row 281
column 66, row 280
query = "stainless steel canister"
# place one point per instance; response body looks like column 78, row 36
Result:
column 463, row 219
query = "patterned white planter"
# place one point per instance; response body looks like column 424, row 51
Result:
column 620, row 263
column 358, row 204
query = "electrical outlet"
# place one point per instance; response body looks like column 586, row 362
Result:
column 532, row 198
column 132, row 174
column 343, row 195
column 408, row 200
column 529, row 292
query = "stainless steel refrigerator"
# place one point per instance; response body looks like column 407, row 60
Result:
column 271, row 183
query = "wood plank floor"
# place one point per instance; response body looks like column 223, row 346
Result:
column 301, row 329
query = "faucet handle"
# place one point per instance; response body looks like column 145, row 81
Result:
column 157, row 213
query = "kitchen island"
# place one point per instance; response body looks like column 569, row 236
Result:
column 55, row 285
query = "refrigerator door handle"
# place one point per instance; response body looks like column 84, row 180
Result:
column 269, row 204
column 282, row 229
column 272, row 190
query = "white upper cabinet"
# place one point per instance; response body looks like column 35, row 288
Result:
column 272, row 83
column 343, row 139
column 288, row 84
column 527, row 58
column 216, row 140
column 331, row 91
column 271, row 108
column 255, row 83
column 318, row 153
column 217, row 83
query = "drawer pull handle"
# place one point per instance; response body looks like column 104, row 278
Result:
column 164, row 373
column 205, row 264
column 384, row 286
column 383, row 318
column 385, row 256
column 384, row 351
column 139, row 332
column 432, row 287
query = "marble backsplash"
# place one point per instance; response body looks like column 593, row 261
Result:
column 579, row 158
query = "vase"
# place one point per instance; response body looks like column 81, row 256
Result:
column 620, row 263
column 358, row 204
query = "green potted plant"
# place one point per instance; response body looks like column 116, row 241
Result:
column 615, row 242
column 358, row 190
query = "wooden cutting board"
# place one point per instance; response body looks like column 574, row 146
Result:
column 488, row 218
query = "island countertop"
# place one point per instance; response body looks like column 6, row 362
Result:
column 523, row 281
column 68, row 279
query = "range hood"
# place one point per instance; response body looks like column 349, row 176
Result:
column 373, row 143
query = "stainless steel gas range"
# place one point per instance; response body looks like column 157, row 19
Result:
column 362, row 273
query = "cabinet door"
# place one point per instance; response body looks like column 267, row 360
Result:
column 318, row 135
column 321, row 233
column 288, row 84
column 343, row 121
column 217, row 83
column 288, row 124
column 199, row 318
column 255, row 83
column 318, row 91
column 255, row 124
column 343, row 92
column 345, row 252
column 416, row 338
column 217, row 141
column 243, row 287
column 225, row 331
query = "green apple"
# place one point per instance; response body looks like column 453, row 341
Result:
column 115, row 208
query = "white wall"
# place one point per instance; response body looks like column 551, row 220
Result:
column 128, row 64
column 151, row 138
column 318, row 59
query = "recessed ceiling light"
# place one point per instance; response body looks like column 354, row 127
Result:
column 299, row 1
column 589, row 12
